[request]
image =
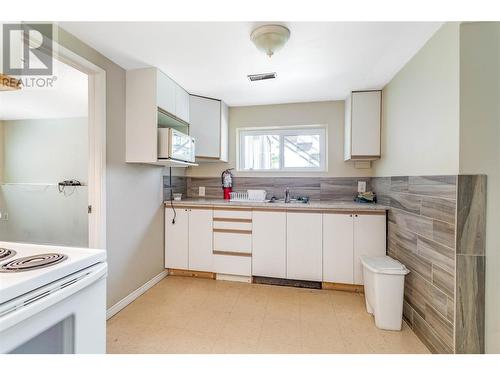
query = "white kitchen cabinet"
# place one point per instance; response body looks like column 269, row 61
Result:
column 269, row 244
column 232, row 239
column 304, row 246
column 176, row 239
column 338, row 248
column 165, row 92
column 233, row 264
column 209, row 126
column 369, row 238
column 200, row 239
column 362, row 125
column 188, row 242
column 152, row 100
column 182, row 103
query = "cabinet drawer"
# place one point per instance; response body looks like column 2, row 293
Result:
column 233, row 265
column 232, row 242
column 233, row 225
column 232, row 214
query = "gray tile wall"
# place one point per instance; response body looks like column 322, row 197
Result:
column 436, row 227
column 471, row 263
column 421, row 234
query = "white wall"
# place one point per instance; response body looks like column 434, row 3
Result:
column 1, row 151
column 420, row 132
column 330, row 113
column 134, row 193
column 480, row 146
column 44, row 151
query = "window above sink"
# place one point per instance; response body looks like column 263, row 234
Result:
column 282, row 149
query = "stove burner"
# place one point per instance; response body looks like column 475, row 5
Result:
column 33, row 262
column 6, row 253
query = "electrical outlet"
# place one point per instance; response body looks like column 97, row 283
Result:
column 201, row 191
column 361, row 186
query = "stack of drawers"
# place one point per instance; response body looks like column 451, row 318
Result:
column 232, row 241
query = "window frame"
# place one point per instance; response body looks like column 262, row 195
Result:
column 282, row 131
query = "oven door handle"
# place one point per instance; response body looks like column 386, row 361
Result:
column 42, row 298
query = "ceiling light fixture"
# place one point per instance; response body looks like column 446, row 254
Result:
column 270, row 38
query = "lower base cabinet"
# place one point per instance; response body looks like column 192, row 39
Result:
column 188, row 241
column 304, row 249
column 346, row 237
column 233, row 264
column 338, row 248
column 269, row 244
column 176, row 238
column 369, row 238
column 296, row 245
column 200, row 240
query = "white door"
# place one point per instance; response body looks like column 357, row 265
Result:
column 369, row 239
column 200, row 240
column 338, row 248
column 269, row 244
column 176, row 238
column 304, row 246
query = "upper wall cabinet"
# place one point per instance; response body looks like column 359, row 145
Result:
column 152, row 100
column 362, row 125
column 209, row 126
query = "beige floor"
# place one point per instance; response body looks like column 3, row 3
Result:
column 188, row 315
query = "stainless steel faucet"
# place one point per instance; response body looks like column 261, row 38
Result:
column 287, row 195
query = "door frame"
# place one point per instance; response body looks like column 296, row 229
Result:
column 97, row 142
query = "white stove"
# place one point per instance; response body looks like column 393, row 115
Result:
column 52, row 299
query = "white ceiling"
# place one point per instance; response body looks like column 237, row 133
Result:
column 321, row 61
column 68, row 97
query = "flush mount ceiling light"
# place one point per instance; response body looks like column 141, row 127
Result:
column 270, row 38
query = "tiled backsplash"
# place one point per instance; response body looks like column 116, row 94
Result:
column 436, row 227
column 338, row 188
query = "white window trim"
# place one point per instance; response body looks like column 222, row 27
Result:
column 322, row 130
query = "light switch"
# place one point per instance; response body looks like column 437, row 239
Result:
column 201, row 191
column 361, row 186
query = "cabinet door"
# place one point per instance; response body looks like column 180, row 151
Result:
column 200, row 240
column 369, row 239
column 205, row 126
column 165, row 92
column 176, row 238
column 269, row 244
column 181, row 103
column 347, row 128
column 304, row 246
column 338, row 251
column 365, row 123
column 224, row 132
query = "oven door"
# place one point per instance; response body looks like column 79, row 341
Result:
column 181, row 146
column 67, row 316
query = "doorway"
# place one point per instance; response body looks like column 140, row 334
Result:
column 52, row 163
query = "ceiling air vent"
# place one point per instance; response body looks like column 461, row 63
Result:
column 261, row 77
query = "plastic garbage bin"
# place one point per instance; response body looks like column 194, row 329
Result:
column 384, row 279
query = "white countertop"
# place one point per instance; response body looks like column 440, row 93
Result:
column 312, row 205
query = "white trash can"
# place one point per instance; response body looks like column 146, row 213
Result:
column 384, row 279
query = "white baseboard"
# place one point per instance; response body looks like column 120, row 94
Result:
column 134, row 295
column 226, row 277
